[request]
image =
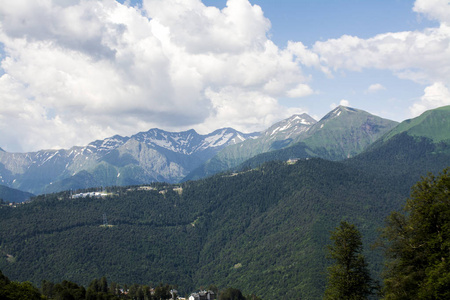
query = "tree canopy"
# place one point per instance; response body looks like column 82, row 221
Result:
column 348, row 277
column 418, row 243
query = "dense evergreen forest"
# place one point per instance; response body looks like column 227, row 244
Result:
column 262, row 230
column 416, row 248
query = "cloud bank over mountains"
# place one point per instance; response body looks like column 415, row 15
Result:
column 78, row 70
column 420, row 56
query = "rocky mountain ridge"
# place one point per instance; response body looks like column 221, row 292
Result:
column 278, row 136
column 342, row 133
column 155, row 155
column 158, row 155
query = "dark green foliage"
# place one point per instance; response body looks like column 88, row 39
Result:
column 19, row 291
column 3, row 280
column 97, row 289
column 262, row 231
column 12, row 290
column 48, row 289
column 252, row 297
column 65, row 290
column 348, row 277
column 231, row 294
column 162, row 292
column 418, row 242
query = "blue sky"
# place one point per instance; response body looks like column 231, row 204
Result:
column 309, row 21
column 74, row 71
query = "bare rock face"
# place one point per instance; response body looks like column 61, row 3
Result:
column 155, row 155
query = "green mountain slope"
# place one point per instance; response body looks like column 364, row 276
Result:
column 263, row 231
column 342, row 133
column 433, row 124
column 345, row 132
column 13, row 195
column 422, row 143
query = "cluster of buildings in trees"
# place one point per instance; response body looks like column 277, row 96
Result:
column 203, row 295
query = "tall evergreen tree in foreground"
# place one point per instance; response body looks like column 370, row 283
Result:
column 348, row 277
column 418, row 243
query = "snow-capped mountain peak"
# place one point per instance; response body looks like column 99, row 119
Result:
column 338, row 111
column 293, row 125
column 190, row 142
column 223, row 137
column 107, row 144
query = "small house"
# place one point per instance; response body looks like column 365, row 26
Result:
column 203, row 295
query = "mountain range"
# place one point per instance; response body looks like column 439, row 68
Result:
column 161, row 156
column 342, row 133
column 261, row 229
column 155, row 155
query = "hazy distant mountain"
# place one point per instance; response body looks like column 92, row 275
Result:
column 342, row 133
column 8, row 194
column 155, row 155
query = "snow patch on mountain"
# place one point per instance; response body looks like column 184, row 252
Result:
column 288, row 127
column 216, row 140
column 190, row 142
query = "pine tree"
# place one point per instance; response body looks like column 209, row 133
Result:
column 418, row 243
column 348, row 277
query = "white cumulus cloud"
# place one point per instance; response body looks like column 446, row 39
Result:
column 420, row 56
column 83, row 70
column 300, row 90
column 434, row 9
column 435, row 95
column 373, row 88
column 343, row 102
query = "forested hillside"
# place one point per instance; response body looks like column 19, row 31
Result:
column 262, row 231
column 413, row 147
